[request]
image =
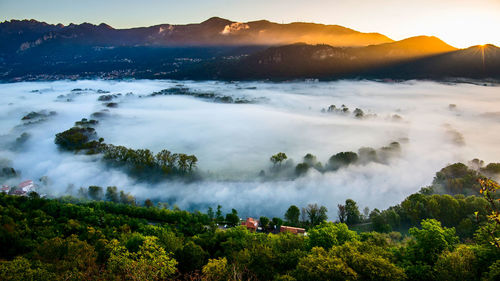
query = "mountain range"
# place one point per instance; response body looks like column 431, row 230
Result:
column 222, row 49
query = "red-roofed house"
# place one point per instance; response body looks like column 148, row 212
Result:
column 294, row 230
column 5, row 188
column 27, row 186
column 251, row 224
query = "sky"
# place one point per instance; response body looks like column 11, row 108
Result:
column 461, row 23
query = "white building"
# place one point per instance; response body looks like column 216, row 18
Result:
column 27, row 186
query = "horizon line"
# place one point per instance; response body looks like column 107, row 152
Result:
column 217, row 17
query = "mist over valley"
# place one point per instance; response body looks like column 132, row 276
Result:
column 414, row 128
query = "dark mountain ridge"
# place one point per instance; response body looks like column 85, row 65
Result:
column 222, row 49
column 212, row 32
column 413, row 58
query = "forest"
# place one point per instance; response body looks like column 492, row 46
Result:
column 105, row 234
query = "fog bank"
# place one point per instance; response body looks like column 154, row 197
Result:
column 436, row 124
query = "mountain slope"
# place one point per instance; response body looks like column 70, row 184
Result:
column 474, row 62
column 412, row 47
column 221, row 49
column 324, row 61
column 212, row 32
column 14, row 33
column 265, row 32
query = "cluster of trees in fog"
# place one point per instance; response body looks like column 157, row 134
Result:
column 284, row 167
column 343, row 109
column 139, row 162
column 213, row 97
column 143, row 163
column 111, row 194
column 459, row 178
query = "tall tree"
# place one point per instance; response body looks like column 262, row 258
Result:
column 292, row 215
column 264, row 222
column 353, row 216
column 276, row 222
column 218, row 215
column 95, row 192
column 126, row 198
column 210, row 213
column 341, row 213
column 112, row 194
column 232, row 218
column 316, row 214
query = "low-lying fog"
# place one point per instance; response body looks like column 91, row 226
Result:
column 234, row 141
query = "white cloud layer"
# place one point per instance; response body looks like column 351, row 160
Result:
column 233, row 142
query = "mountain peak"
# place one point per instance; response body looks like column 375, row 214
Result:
column 485, row 46
column 423, row 39
column 104, row 25
column 486, row 49
column 217, row 20
column 425, row 44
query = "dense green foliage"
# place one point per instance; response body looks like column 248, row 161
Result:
column 77, row 138
column 69, row 239
column 441, row 237
column 456, row 179
column 444, row 201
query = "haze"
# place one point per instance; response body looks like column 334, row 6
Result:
column 233, row 142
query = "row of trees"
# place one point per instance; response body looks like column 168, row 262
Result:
column 313, row 215
column 144, row 161
column 112, row 194
column 139, row 162
column 358, row 113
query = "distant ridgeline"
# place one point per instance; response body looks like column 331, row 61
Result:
column 141, row 163
column 228, row 50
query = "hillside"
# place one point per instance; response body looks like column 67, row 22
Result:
column 412, row 47
column 328, row 62
column 413, row 58
column 222, row 49
column 474, row 62
column 25, row 35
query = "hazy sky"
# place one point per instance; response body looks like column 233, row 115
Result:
column 461, row 23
